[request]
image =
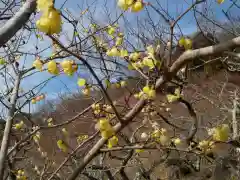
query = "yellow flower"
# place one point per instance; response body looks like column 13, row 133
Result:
column 164, row 140
column 112, row 142
column 81, row 138
column 220, row 1
column 113, row 52
column 185, row 42
column 19, row 125
column 96, row 106
column 204, row 145
column 33, row 101
column 124, row 4
column 65, row 132
column 111, row 30
column 188, row 44
column 61, row 145
column 119, row 41
column 150, row 92
column 52, row 67
column 150, row 62
column 139, row 150
column 50, row 21
column 38, row 64
column 123, row 83
column 150, row 49
column 43, row 5
column 104, row 124
column 81, row 82
column 137, row 6
column 67, row 67
column 221, row 133
column 106, row 128
column 116, row 85
column 36, row 138
column 155, row 134
column 123, row 53
column 50, row 120
column 181, row 42
column 134, row 56
column 146, row 89
column 107, row 133
column 2, row 61
column 172, row 98
column 177, row 141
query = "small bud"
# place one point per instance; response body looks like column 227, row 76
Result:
column 168, row 44
column 144, row 136
column 168, row 109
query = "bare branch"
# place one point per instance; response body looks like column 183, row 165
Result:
column 11, row 113
column 17, row 21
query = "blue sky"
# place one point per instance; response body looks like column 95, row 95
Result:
column 64, row 83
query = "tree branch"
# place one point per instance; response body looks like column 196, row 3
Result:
column 234, row 118
column 16, row 22
column 7, row 130
column 179, row 63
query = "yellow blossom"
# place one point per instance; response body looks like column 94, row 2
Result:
column 67, row 66
column 125, row 4
column 52, row 67
column 134, row 56
column 81, row 82
column 204, row 145
column 111, row 30
column 105, row 128
column 43, row 5
column 221, row 133
column 172, row 98
column 119, row 41
column 33, row 101
column 112, row 141
column 19, row 125
column 164, row 140
column 38, row 64
column 50, row 21
column 113, row 52
column 220, row 1
column 123, row 83
column 123, row 53
column 185, row 42
column 62, row 146
column 81, row 138
column 137, row 6
column 65, row 132
column 2, row 61
column 139, row 150
column 177, row 141
column 150, row 92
